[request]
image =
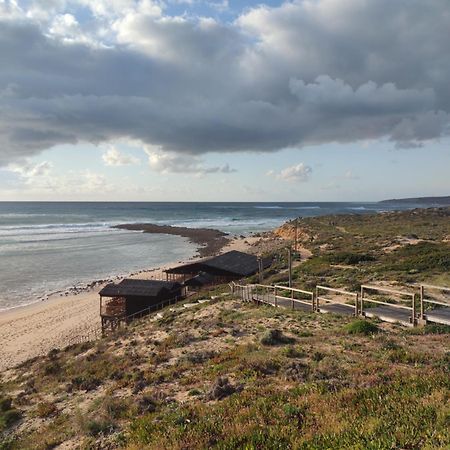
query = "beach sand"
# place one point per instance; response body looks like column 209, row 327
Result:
column 34, row 330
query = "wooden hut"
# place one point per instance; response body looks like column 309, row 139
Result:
column 229, row 266
column 199, row 281
column 120, row 302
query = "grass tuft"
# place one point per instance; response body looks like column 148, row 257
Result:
column 363, row 327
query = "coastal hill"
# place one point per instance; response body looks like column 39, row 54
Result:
column 217, row 372
column 441, row 201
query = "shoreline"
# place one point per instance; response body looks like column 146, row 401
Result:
column 32, row 330
column 208, row 240
column 208, row 243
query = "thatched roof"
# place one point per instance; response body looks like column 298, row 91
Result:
column 232, row 263
column 138, row 288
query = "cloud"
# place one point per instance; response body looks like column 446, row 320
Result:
column 303, row 73
column 32, row 174
column 112, row 157
column 166, row 162
column 349, row 175
column 298, row 173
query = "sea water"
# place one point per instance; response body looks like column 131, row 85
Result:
column 50, row 246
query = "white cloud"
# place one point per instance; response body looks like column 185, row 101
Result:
column 168, row 162
column 29, row 173
column 112, row 157
column 349, row 175
column 296, row 173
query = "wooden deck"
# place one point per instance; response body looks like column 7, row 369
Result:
column 281, row 302
column 387, row 312
column 337, row 308
column 390, row 314
column 438, row 315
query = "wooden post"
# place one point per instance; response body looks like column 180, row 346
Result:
column 362, row 300
column 413, row 311
column 260, row 270
column 290, row 265
column 275, row 293
column 422, row 316
column 317, row 298
column 292, row 298
column 356, row 305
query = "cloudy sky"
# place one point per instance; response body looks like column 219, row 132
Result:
column 299, row 100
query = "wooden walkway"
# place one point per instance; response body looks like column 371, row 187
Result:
column 401, row 307
column 389, row 314
column 438, row 315
column 338, row 308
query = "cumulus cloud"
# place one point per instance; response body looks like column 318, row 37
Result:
column 167, row 162
column 303, row 73
column 30, row 172
column 296, row 173
column 112, row 157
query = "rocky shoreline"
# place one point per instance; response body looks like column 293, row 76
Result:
column 210, row 241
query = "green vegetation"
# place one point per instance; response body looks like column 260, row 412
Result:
column 362, row 327
column 8, row 414
column 231, row 375
column 275, row 337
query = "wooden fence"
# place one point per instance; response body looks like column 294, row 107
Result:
column 273, row 295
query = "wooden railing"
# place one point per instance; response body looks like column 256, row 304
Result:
column 424, row 300
column 270, row 294
column 336, row 291
column 412, row 308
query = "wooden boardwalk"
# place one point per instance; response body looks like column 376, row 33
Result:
column 401, row 309
column 390, row 314
column 438, row 315
column 338, row 308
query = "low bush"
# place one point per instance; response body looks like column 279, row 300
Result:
column 9, row 418
column 362, row 327
column 46, row 409
column 276, row 337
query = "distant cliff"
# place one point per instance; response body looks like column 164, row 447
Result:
column 441, row 201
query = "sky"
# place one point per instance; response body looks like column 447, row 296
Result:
column 223, row 100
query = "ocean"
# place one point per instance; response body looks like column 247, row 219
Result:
column 47, row 247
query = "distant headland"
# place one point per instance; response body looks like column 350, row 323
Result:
column 441, row 201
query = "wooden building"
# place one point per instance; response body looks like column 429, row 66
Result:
column 229, row 266
column 130, row 298
column 199, row 281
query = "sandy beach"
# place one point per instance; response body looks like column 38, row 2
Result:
column 33, row 330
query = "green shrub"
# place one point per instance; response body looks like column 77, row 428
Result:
column 5, row 404
column 276, row 337
column 349, row 258
column 8, row 418
column 362, row 327
column 46, row 409
column 293, row 352
column 96, row 427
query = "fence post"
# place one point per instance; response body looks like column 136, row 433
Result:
column 317, row 298
column 362, row 300
column 275, row 294
column 413, row 319
column 422, row 316
column 292, row 298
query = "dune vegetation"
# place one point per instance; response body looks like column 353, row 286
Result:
column 224, row 374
